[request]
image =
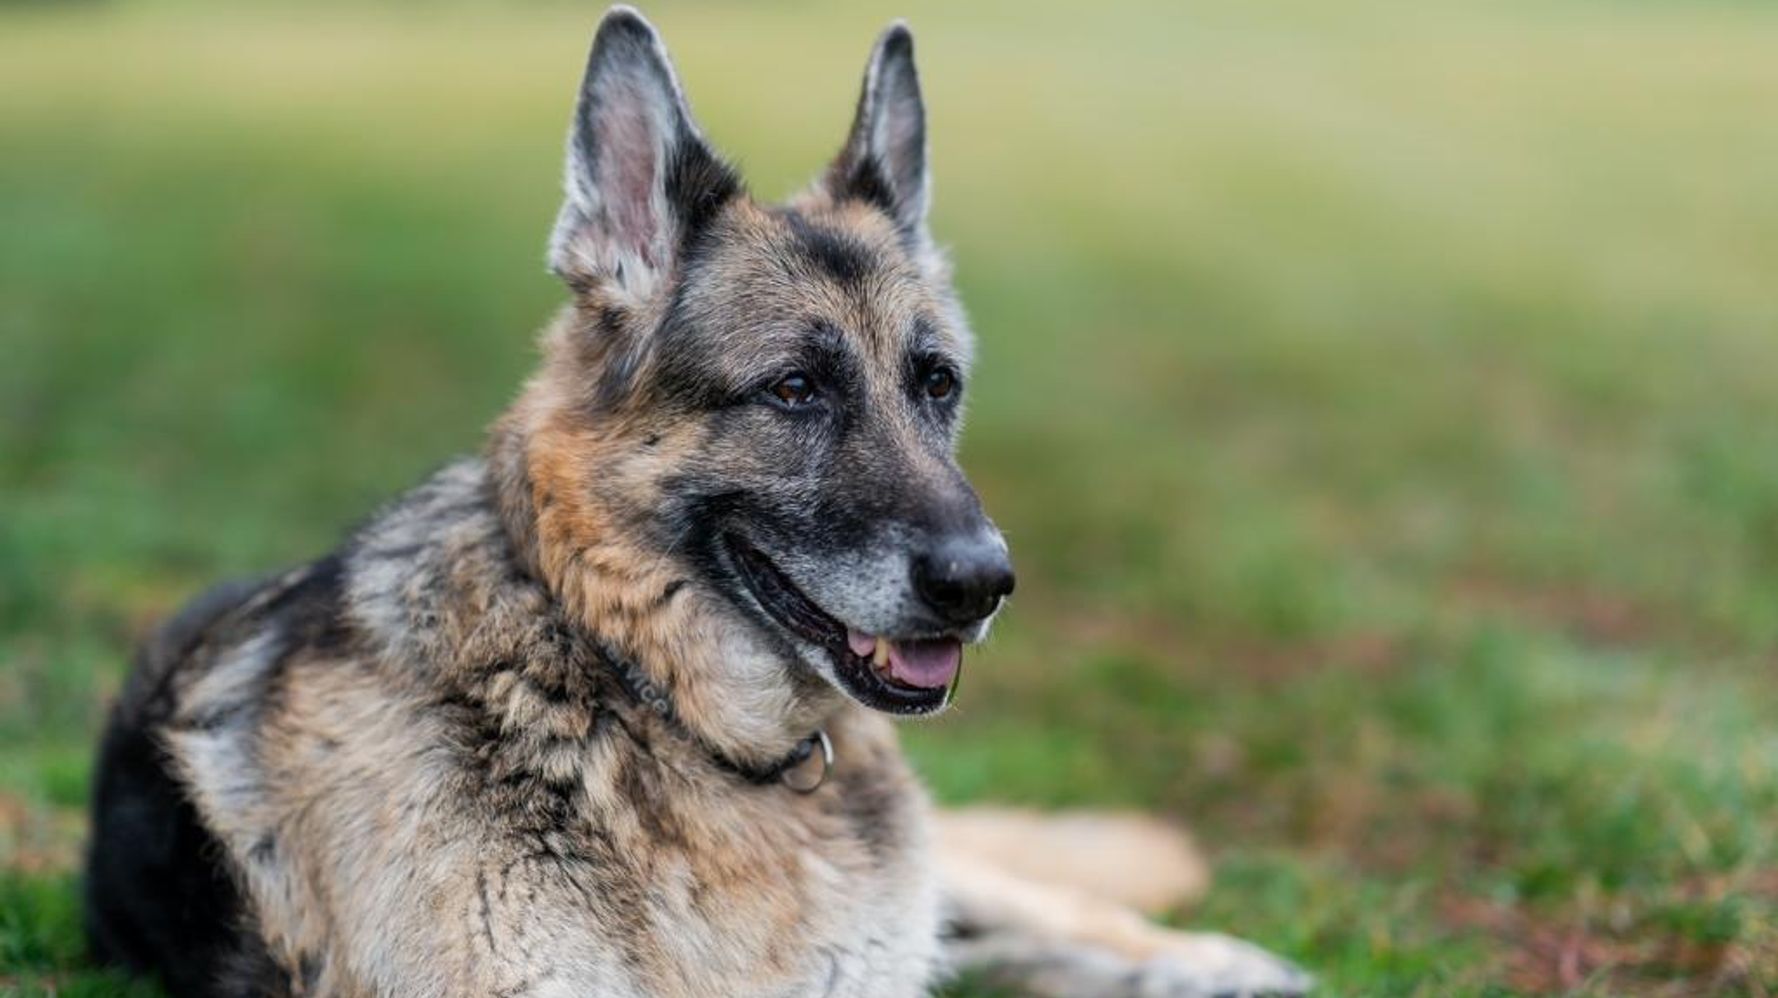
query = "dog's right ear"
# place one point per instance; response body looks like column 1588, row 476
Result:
column 641, row 182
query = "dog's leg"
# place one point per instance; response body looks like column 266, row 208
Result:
column 1050, row 906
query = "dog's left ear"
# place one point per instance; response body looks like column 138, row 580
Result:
column 884, row 160
column 641, row 182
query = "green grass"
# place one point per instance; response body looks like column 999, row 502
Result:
column 1382, row 404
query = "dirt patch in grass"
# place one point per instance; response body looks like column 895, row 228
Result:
column 1621, row 946
column 1254, row 657
column 1592, row 617
column 37, row 839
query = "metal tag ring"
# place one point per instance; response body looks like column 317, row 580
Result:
column 795, row 777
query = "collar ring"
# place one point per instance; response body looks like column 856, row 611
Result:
column 804, row 776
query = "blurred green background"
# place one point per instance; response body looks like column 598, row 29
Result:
column 1381, row 400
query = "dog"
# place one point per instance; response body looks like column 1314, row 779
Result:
column 606, row 710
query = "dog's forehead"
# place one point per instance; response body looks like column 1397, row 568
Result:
column 779, row 270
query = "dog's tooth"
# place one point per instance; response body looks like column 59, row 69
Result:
column 881, row 655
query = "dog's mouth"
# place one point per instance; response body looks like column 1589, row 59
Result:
column 897, row 675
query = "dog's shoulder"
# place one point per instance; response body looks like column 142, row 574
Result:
column 421, row 605
column 434, row 579
column 178, row 642
column 384, row 590
column 178, row 654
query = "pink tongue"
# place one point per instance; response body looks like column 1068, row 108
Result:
column 928, row 663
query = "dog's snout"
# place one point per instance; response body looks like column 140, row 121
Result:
column 964, row 578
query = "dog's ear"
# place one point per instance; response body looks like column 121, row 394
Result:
column 884, row 159
column 641, row 182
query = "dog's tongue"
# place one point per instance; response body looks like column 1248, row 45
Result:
column 927, row 663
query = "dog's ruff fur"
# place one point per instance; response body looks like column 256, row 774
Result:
column 411, row 767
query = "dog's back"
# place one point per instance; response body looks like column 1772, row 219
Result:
column 157, row 899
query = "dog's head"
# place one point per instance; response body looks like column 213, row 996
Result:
column 763, row 401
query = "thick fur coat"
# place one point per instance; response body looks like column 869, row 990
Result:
column 558, row 721
column 425, row 781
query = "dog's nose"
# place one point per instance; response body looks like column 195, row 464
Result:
column 964, row 578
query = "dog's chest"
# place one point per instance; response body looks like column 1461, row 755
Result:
column 764, row 893
column 831, row 927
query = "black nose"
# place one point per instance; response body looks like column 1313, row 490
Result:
column 963, row 579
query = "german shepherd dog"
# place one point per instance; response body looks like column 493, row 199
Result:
column 605, row 711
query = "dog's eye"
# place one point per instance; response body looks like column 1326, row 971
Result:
column 794, row 390
column 940, row 382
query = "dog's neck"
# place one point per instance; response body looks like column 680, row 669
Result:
column 725, row 685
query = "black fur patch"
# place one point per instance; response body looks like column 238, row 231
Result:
column 685, row 377
column 833, row 253
column 698, row 186
column 861, row 178
column 311, row 609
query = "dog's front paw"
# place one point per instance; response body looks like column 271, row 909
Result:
column 1181, row 965
column 1195, row 964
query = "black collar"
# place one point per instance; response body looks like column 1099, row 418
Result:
column 794, row 770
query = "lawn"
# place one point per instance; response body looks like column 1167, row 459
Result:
column 1381, row 401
